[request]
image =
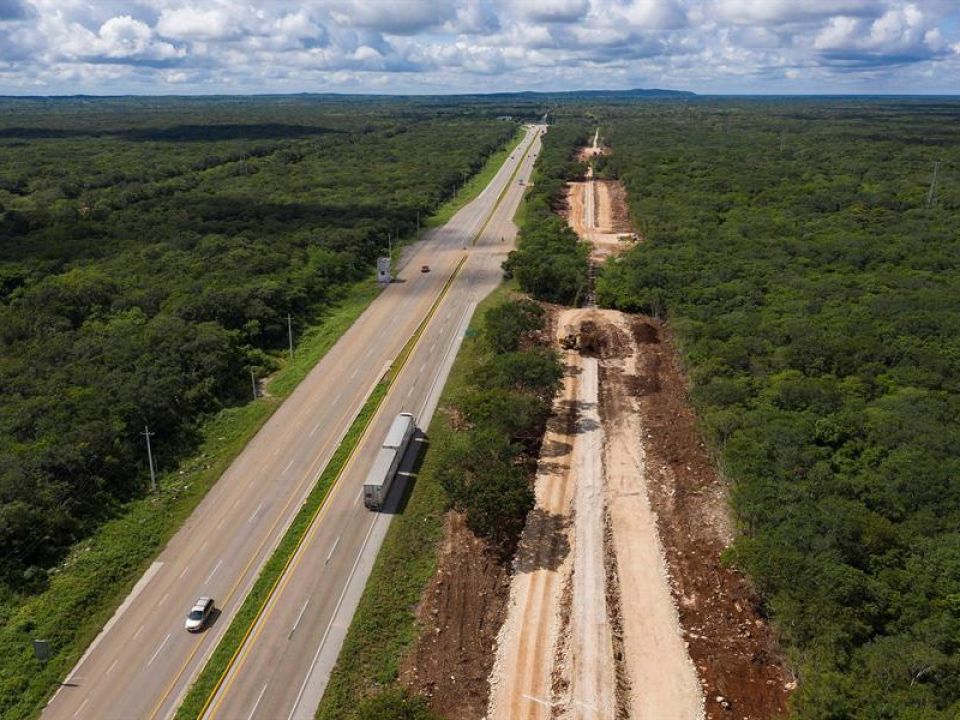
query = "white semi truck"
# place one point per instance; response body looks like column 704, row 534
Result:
column 380, row 478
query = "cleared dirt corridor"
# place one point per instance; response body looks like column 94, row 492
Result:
column 565, row 650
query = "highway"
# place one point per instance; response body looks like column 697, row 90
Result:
column 143, row 661
column 283, row 668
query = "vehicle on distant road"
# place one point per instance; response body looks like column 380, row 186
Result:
column 424, row 268
column 380, row 478
column 199, row 614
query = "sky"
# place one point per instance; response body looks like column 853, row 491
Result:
column 164, row 47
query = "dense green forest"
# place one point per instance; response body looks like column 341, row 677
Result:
column 550, row 262
column 813, row 280
column 150, row 252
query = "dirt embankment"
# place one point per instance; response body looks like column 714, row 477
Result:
column 460, row 615
column 643, row 393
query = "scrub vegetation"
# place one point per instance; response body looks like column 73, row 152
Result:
column 813, row 280
column 550, row 262
column 489, row 423
column 150, row 252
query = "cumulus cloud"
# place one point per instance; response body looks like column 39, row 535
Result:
column 900, row 35
column 478, row 45
column 390, row 16
column 555, row 11
column 194, row 23
column 791, row 11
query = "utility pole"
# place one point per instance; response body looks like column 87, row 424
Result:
column 253, row 382
column 290, row 333
column 153, row 475
column 932, row 194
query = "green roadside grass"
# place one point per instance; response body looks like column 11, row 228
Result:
column 88, row 586
column 214, row 671
column 384, row 626
column 85, row 590
column 475, row 184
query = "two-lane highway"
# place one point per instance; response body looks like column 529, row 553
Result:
column 144, row 660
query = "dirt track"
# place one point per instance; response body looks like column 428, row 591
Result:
column 656, row 622
column 521, row 681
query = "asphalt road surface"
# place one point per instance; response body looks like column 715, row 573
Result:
column 144, row 660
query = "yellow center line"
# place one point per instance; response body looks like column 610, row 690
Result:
column 505, row 188
column 236, row 585
column 266, row 608
column 392, row 373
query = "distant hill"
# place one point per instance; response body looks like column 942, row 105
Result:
column 591, row 94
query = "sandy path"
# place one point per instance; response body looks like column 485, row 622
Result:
column 664, row 683
column 590, row 668
column 521, row 680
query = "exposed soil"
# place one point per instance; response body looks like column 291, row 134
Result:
column 523, row 682
column 687, row 638
column 460, row 615
column 597, row 211
column 658, row 681
column 739, row 664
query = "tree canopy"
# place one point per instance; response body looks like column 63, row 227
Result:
column 813, row 280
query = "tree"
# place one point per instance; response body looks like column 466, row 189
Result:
column 506, row 324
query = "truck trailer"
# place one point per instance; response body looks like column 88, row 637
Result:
column 385, row 465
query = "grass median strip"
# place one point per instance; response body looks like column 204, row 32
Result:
column 207, row 684
column 218, row 664
column 384, row 625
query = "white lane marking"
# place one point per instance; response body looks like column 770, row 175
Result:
column 336, row 609
column 163, row 599
column 81, row 707
column 410, row 391
column 137, row 589
column 447, row 316
column 422, row 368
column 299, row 618
column 139, row 630
column 203, row 545
column 150, row 661
column 183, row 573
column 315, row 428
column 112, row 666
column 257, row 703
column 237, row 501
column 368, row 353
column 220, row 524
column 330, row 554
column 359, row 495
column 287, row 467
column 339, row 395
column 432, row 347
column 354, row 373
column 254, row 513
column 214, row 571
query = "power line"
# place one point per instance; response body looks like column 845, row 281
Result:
column 290, row 333
column 153, row 475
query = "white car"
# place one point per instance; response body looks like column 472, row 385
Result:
column 199, row 614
